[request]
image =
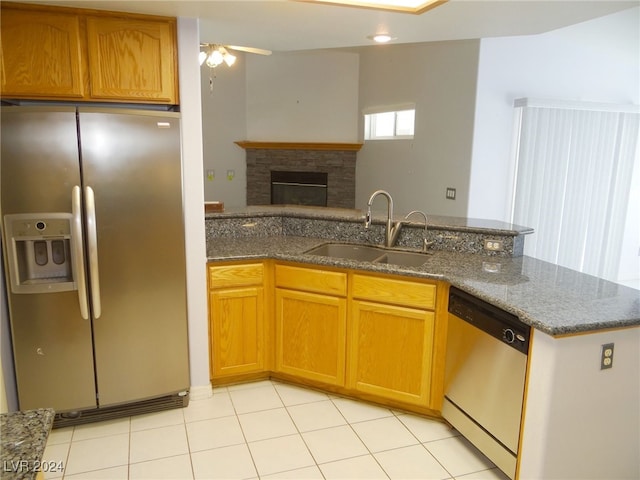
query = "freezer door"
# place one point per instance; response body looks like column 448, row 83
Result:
column 132, row 165
column 51, row 341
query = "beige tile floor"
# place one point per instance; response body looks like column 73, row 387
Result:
column 268, row 430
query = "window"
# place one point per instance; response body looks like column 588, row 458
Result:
column 575, row 166
column 389, row 123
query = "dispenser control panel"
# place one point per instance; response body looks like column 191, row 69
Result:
column 39, row 247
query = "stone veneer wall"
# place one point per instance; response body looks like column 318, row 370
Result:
column 340, row 166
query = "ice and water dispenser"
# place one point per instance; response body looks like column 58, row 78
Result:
column 39, row 252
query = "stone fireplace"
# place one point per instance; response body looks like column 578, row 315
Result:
column 268, row 160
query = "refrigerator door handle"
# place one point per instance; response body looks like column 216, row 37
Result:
column 78, row 257
column 92, row 245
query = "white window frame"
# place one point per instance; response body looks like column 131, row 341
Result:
column 371, row 115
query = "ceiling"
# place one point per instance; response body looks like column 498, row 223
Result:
column 287, row 25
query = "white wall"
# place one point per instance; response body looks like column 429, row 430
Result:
column 595, row 61
column 190, row 106
column 223, row 123
column 440, row 78
column 303, row 97
column 582, row 422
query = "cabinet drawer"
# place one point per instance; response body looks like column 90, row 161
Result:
column 236, row 275
column 311, row 280
column 399, row 292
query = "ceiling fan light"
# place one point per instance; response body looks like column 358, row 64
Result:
column 214, row 59
column 229, row 59
column 202, row 56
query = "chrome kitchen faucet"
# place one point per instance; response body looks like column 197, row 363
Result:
column 393, row 228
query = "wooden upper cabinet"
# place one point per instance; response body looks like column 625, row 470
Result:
column 41, row 55
column 132, row 60
column 62, row 53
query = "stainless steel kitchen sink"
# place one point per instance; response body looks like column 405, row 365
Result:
column 406, row 259
column 363, row 253
column 366, row 253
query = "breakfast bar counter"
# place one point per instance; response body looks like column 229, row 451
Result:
column 550, row 298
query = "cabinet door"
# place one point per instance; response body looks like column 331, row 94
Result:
column 310, row 335
column 41, row 55
column 237, row 330
column 132, row 60
column 391, row 351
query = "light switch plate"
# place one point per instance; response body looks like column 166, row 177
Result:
column 451, row 193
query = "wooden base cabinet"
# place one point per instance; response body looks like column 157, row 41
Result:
column 391, row 339
column 310, row 324
column 372, row 336
column 236, row 319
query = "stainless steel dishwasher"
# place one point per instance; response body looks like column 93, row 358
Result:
column 485, row 369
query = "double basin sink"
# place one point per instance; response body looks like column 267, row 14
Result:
column 367, row 253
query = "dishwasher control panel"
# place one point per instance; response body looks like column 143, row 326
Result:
column 490, row 319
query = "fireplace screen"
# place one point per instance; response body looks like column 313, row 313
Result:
column 299, row 188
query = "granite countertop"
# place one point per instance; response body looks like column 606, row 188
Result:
column 24, row 438
column 436, row 222
column 550, row 298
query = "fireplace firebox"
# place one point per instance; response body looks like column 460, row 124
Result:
column 299, row 188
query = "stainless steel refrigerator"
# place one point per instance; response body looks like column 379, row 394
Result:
column 93, row 244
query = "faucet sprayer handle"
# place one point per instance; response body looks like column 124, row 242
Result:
column 420, row 212
column 425, row 245
column 367, row 219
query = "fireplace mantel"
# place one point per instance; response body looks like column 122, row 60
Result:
column 349, row 147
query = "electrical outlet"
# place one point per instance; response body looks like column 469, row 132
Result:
column 606, row 357
column 451, row 193
column 493, row 245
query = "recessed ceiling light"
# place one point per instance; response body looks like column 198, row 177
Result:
column 407, row 6
column 381, row 37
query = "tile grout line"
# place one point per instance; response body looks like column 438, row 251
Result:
column 299, row 434
column 246, row 442
column 186, row 434
column 422, row 444
column 358, row 436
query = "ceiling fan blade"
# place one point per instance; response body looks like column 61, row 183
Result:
column 259, row 51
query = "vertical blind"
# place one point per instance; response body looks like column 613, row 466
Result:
column 574, row 166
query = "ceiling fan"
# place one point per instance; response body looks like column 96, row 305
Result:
column 214, row 54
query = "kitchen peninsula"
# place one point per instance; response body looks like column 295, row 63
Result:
column 570, row 403
column 550, row 298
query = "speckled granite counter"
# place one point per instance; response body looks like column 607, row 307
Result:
column 24, row 438
column 444, row 233
column 550, row 298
